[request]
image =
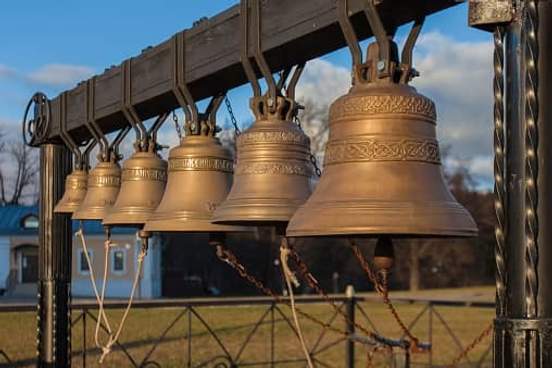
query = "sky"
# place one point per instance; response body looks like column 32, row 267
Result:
column 51, row 47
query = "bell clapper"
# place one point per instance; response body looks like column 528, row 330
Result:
column 384, row 259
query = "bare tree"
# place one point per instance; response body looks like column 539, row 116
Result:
column 18, row 172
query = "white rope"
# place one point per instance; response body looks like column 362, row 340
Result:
column 290, row 278
column 101, row 313
column 100, row 297
column 113, row 338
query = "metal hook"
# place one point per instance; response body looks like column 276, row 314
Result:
column 214, row 105
column 246, row 63
column 258, row 52
column 290, row 90
column 180, row 89
column 128, row 109
column 349, row 32
column 406, row 56
column 65, row 137
column 114, row 146
column 284, row 74
column 91, row 122
column 381, row 35
column 89, row 148
column 152, row 133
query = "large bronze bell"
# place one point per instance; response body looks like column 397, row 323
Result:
column 273, row 171
column 143, row 182
column 199, row 178
column 382, row 168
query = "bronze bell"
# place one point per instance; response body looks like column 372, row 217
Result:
column 199, row 178
column 143, row 182
column 75, row 191
column 76, row 182
column 382, row 168
column 273, row 171
column 104, row 182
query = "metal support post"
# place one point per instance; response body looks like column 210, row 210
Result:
column 523, row 327
column 54, row 284
column 350, row 306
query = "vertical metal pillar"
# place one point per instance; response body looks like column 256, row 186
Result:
column 350, row 306
column 54, row 298
column 523, row 177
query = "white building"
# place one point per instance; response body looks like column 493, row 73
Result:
column 19, row 258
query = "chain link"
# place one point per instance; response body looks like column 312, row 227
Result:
column 176, row 125
column 312, row 157
column 233, row 119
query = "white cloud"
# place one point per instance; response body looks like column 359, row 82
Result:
column 60, row 74
column 322, row 82
column 6, row 71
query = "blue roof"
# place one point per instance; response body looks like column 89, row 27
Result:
column 11, row 222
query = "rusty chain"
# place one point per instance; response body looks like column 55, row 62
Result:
column 314, row 284
column 229, row 258
column 486, row 332
column 312, row 157
column 383, row 290
column 233, row 119
column 177, row 125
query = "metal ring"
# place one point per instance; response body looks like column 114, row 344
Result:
column 36, row 129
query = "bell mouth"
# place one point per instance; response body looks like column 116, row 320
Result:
column 393, row 219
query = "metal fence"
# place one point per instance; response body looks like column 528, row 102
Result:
column 257, row 331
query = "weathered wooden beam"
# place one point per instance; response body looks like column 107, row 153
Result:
column 293, row 31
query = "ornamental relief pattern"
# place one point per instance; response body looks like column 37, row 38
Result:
column 384, row 150
column 77, row 184
column 418, row 105
column 282, row 137
column 203, row 163
column 284, row 168
column 104, row 181
column 143, row 173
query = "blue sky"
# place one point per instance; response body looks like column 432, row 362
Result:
column 52, row 46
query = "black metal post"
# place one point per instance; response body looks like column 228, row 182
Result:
column 54, row 284
column 350, row 306
column 523, row 327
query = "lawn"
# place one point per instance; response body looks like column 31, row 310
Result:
column 233, row 324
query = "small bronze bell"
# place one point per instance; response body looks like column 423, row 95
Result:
column 143, row 182
column 75, row 191
column 76, row 182
column 382, row 169
column 104, row 181
column 199, row 178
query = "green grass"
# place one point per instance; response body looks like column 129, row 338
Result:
column 17, row 337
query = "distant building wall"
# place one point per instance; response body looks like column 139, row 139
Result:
column 4, row 260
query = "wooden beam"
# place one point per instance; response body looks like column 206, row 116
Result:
column 293, row 31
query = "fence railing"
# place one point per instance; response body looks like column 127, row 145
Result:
column 257, row 331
